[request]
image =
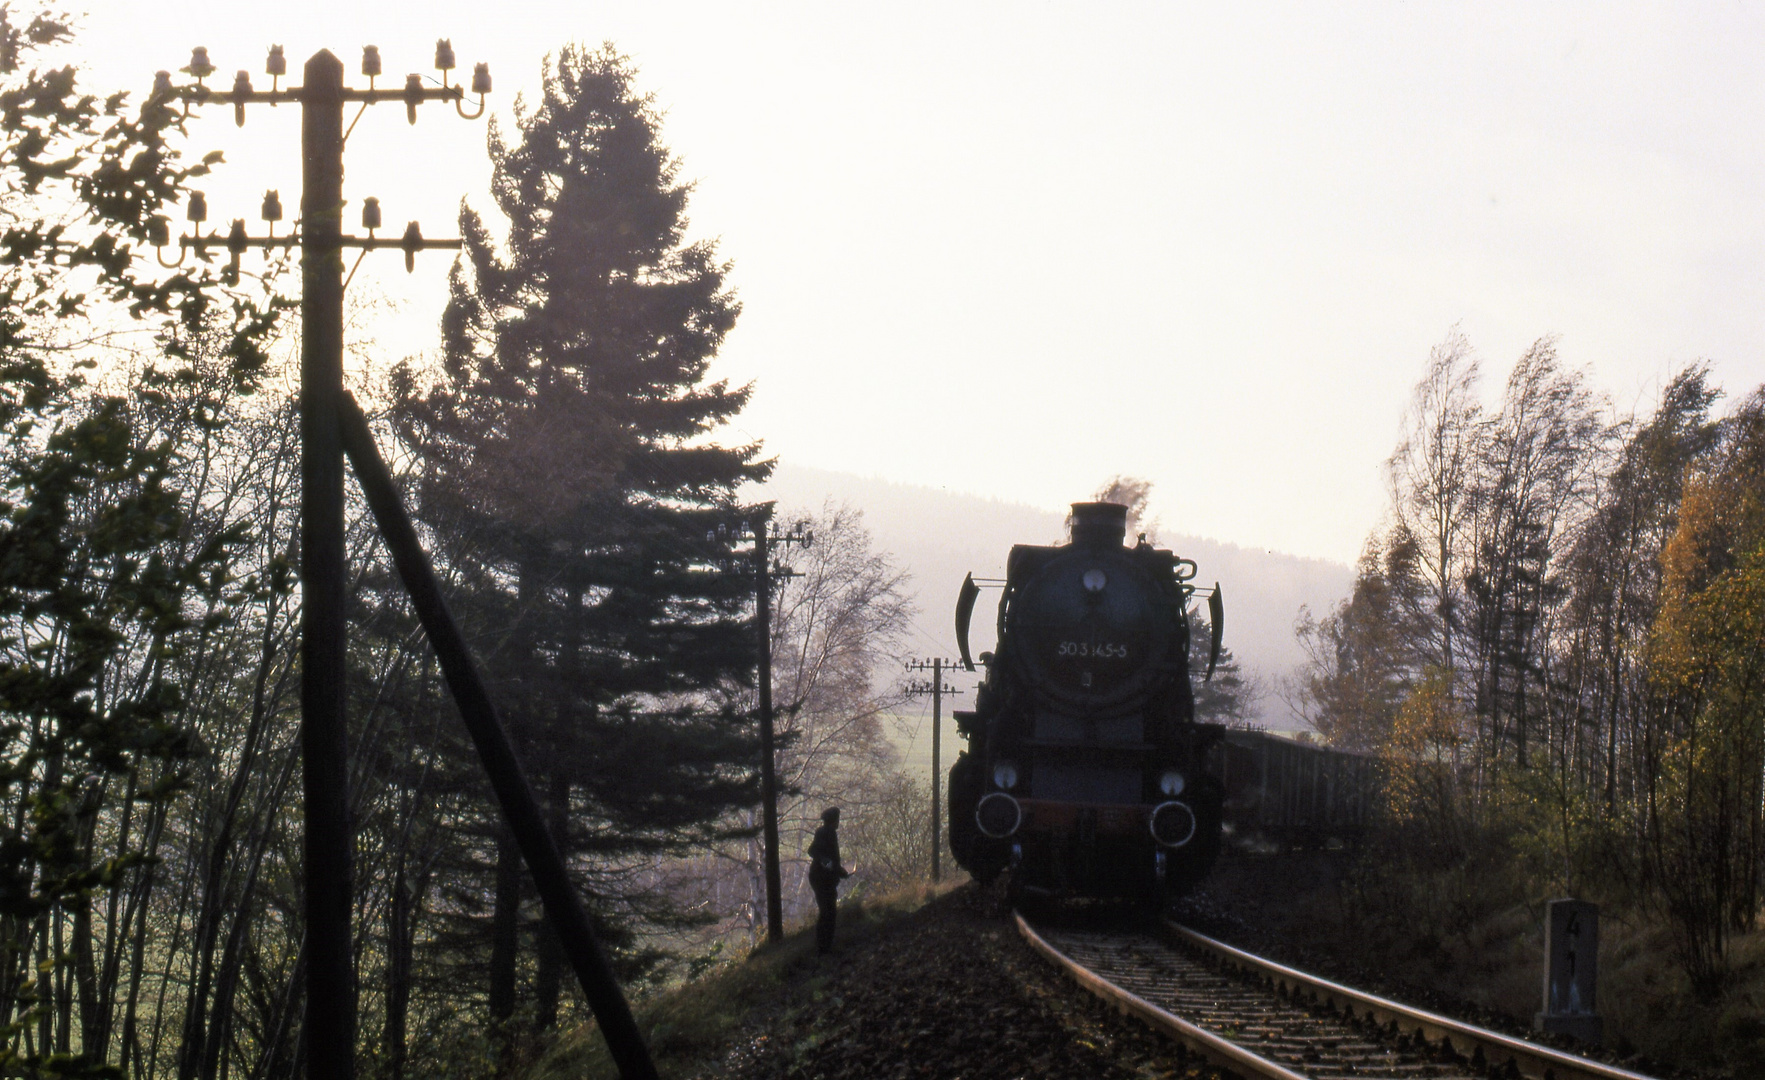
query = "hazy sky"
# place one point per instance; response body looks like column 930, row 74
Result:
column 1014, row 248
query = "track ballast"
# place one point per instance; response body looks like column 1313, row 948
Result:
column 1259, row 1019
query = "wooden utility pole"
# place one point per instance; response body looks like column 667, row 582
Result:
column 764, row 572
column 330, row 998
column 937, row 689
column 330, row 425
column 759, row 561
column 768, row 780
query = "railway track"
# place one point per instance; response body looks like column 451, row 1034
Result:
column 1259, row 1019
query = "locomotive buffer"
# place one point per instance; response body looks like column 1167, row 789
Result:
column 937, row 688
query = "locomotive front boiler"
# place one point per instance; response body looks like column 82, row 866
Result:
column 1085, row 769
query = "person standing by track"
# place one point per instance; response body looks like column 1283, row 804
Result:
column 825, row 874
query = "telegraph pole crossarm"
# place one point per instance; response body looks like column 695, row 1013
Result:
column 412, row 93
column 201, row 244
column 937, row 688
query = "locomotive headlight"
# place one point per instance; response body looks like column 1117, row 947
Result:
column 1005, row 775
column 1171, row 783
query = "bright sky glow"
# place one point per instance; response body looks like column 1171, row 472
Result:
column 1013, row 248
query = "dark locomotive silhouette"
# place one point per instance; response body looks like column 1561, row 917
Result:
column 1086, row 772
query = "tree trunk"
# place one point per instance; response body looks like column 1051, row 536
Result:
column 398, row 971
column 548, row 979
column 504, row 936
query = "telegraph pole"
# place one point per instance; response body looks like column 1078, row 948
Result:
column 768, row 778
column 765, row 571
column 331, row 425
column 330, row 1000
column 937, row 688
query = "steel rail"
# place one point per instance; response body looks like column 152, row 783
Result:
column 1217, row 1051
column 1532, row 1060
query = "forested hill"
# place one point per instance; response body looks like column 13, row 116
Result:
column 937, row 536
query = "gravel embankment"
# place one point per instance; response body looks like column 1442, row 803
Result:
column 952, row 992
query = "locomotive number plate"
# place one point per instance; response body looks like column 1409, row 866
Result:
column 1101, row 651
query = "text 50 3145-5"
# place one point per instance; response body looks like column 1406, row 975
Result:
column 1099, row 651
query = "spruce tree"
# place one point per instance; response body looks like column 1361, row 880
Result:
column 569, row 467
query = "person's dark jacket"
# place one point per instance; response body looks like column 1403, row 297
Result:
column 825, row 870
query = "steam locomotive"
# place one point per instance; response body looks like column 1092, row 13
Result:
column 1085, row 771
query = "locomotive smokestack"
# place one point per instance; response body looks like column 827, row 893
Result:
column 1099, row 524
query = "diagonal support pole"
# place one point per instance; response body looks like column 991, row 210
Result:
column 563, row 908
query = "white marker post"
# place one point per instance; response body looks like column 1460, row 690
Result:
column 1571, row 971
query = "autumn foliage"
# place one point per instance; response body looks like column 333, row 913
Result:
column 1556, row 641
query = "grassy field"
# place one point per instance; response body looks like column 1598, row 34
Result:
column 911, row 732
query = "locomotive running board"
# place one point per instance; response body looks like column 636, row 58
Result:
column 964, row 612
